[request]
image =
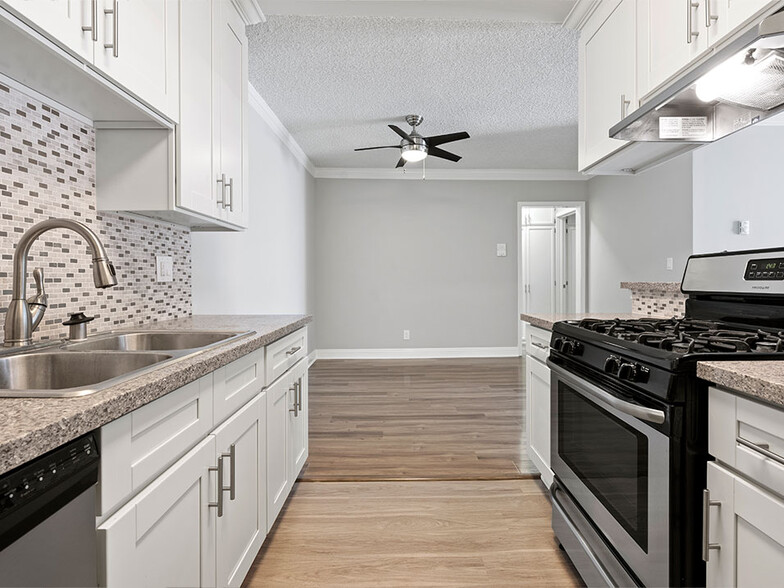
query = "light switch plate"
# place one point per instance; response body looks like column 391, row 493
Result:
column 500, row 250
column 164, row 268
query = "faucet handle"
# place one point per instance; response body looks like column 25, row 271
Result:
column 38, row 276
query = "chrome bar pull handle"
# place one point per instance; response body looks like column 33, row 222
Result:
column 762, row 448
column 690, row 32
column 93, row 28
column 293, row 350
column 219, row 503
column 232, row 455
column 295, row 410
column 298, row 385
column 231, row 194
column 624, row 106
column 114, row 45
column 709, row 18
column 706, row 544
column 222, row 182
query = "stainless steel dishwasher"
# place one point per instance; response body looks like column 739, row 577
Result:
column 47, row 518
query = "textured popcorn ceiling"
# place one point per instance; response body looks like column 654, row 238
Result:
column 336, row 82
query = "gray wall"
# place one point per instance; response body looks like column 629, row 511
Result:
column 269, row 268
column 635, row 223
column 739, row 178
column 420, row 255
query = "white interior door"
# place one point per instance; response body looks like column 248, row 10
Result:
column 540, row 269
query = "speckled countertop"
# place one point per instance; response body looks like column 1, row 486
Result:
column 674, row 287
column 546, row 321
column 30, row 427
column 761, row 380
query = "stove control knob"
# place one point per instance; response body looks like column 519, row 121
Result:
column 627, row 371
column 558, row 343
column 611, row 364
column 567, row 348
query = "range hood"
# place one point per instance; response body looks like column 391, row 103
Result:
column 739, row 85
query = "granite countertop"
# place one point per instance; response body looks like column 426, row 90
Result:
column 672, row 287
column 761, row 380
column 546, row 320
column 29, row 427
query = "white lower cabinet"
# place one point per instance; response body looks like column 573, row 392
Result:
column 242, row 525
column 744, row 501
column 183, row 502
column 165, row 536
column 537, row 404
column 746, row 531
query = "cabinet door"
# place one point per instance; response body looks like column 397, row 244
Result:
column 537, row 387
column 165, row 536
column 279, row 402
column 748, row 525
column 143, row 49
column 676, row 35
column 298, row 421
column 608, row 82
column 197, row 188
column 231, row 98
column 242, row 527
column 63, row 21
column 731, row 14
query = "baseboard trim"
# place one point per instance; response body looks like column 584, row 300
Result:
column 418, row 353
column 312, row 356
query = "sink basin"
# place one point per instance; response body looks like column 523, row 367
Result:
column 67, row 373
column 154, row 341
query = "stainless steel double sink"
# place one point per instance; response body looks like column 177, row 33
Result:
column 64, row 369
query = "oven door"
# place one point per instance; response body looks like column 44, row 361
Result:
column 616, row 465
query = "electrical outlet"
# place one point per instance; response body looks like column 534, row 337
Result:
column 406, row 334
column 743, row 227
column 500, row 250
column 669, row 263
column 164, row 268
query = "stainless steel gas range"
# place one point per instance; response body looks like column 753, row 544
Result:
column 629, row 420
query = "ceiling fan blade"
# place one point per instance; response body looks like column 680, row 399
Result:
column 402, row 133
column 400, row 163
column 441, row 139
column 372, row 148
column 436, row 152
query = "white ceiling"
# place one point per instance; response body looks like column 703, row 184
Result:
column 336, row 82
column 517, row 10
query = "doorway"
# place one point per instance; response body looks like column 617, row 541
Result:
column 551, row 268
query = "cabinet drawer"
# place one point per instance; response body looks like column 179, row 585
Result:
column 538, row 343
column 284, row 353
column 748, row 436
column 140, row 445
column 236, row 383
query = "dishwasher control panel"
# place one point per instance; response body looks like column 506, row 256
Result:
column 33, row 491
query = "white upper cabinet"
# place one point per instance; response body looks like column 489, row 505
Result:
column 139, row 48
column 607, row 80
column 74, row 23
column 230, row 107
column 674, row 35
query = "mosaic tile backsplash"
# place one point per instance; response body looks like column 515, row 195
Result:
column 47, row 170
column 658, row 302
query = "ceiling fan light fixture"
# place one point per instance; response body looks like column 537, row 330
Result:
column 414, row 153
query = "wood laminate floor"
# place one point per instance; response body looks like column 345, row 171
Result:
column 406, row 534
column 417, row 419
column 417, row 476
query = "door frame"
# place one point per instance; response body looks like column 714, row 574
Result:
column 580, row 239
column 561, row 250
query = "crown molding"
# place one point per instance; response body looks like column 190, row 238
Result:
column 250, row 11
column 265, row 112
column 513, row 175
column 580, row 13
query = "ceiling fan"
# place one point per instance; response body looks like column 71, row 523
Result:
column 414, row 147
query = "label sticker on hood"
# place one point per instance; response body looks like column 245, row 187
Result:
column 683, row 127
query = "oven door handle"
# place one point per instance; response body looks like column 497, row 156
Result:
column 643, row 413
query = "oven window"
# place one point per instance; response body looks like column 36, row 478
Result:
column 610, row 458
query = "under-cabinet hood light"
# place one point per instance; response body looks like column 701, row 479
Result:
column 741, row 84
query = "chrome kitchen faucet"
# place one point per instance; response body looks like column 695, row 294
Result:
column 24, row 316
